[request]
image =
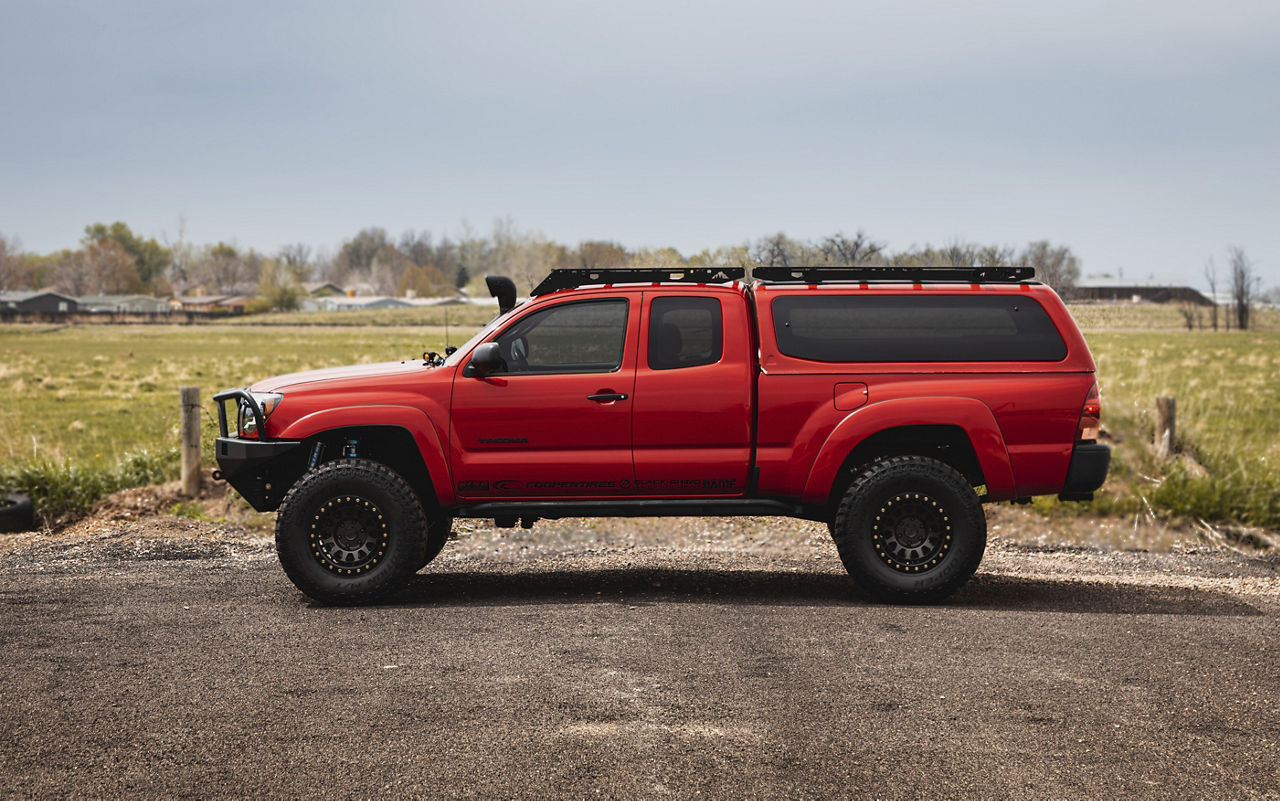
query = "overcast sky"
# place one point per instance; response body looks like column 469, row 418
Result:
column 1142, row 135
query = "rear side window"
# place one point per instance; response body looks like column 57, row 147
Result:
column 915, row 328
column 684, row 332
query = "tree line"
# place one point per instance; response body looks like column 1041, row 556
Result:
column 112, row 260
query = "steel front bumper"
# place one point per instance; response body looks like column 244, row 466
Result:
column 260, row 471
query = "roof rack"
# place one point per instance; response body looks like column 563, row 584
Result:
column 964, row 275
column 569, row 278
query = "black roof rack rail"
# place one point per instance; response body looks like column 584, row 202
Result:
column 571, row 277
column 965, row 275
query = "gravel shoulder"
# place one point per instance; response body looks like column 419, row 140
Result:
column 153, row 654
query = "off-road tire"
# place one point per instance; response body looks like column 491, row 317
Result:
column 910, row 530
column 16, row 513
column 438, row 527
column 351, row 531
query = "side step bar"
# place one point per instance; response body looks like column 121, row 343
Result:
column 700, row 507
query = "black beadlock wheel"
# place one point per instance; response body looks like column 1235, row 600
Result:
column 350, row 531
column 910, row 529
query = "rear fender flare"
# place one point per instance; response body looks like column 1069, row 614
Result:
column 969, row 414
column 417, row 422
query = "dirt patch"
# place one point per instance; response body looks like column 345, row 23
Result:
column 155, row 522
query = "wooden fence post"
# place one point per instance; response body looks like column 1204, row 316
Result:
column 190, row 440
column 1166, row 422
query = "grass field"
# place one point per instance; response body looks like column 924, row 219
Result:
column 89, row 409
column 1227, row 387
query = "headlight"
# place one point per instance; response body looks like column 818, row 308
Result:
column 268, row 401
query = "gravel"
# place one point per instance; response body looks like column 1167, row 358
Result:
column 157, row 655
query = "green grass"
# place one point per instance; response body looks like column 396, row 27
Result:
column 58, row 487
column 83, row 404
column 1227, row 387
column 461, row 315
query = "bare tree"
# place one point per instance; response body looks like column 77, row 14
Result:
column 839, row 249
column 996, row 256
column 297, row 259
column 183, row 256
column 959, row 254
column 1056, row 266
column 223, row 269
column 596, row 254
column 10, row 263
column 1211, row 275
column 668, row 258
column 780, row 250
column 1244, row 285
column 100, row 268
column 526, row 256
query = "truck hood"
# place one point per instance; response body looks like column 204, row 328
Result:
column 387, row 370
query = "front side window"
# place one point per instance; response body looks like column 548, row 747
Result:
column 684, row 332
column 919, row 328
column 584, row 337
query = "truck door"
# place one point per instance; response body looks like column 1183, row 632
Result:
column 693, row 404
column 557, row 420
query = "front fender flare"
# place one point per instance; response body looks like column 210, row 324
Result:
column 969, row 414
column 417, row 422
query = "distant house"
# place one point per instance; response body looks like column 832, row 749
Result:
column 234, row 304
column 323, row 289
column 1128, row 291
column 39, row 301
column 345, row 303
column 123, row 304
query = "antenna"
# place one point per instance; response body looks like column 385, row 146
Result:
column 446, row 326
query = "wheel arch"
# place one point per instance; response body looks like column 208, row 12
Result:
column 402, row 437
column 960, row 432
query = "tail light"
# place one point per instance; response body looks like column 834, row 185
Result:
column 1090, row 416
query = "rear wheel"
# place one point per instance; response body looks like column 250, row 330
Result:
column 350, row 531
column 910, row 529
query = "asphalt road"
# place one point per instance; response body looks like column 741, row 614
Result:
column 621, row 669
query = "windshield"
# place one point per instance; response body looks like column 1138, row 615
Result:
column 456, row 357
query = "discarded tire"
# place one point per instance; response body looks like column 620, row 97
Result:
column 16, row 513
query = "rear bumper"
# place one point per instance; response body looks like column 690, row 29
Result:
column 258, row 470
column 1086, row 472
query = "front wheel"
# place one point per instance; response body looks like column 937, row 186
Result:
column 910, row 529
column 438, row 526
column 351, row 531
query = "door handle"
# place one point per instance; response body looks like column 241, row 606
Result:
column 607, row 397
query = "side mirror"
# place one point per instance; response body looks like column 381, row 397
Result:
column 484, row 360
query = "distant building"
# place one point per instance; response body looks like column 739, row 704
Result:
column 345, row 303
column 233, row 304
column 39, row 301
column 323, row 289
column 1114, row 290
column 124, row 304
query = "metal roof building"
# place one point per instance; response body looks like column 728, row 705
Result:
column 40, row 301
column 124, row 304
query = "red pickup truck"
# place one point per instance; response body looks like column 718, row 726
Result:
column 889, row 403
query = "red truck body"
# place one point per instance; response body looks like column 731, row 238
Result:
column 748, row 422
